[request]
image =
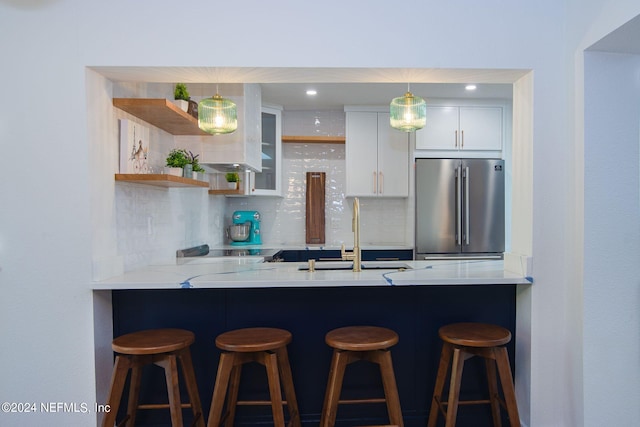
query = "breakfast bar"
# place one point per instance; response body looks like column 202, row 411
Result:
column 252, row 272
column 212, row 295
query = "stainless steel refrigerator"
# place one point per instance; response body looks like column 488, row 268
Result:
column 459, row 208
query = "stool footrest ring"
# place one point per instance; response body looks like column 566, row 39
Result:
column 256, row 402
column 357, row 401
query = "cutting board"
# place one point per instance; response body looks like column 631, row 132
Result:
column 315, row 207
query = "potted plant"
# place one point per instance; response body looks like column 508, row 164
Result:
column 232, row 180
column 177, row 159
column 198, row 171
column 181, row 96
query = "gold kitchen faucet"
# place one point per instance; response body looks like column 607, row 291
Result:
column 356, row 254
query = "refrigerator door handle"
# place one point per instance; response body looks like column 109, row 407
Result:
column 459, row 206
column 466, row 206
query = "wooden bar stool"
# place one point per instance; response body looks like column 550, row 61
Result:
column 462, row 341
column 266, row 346
column 355, row 343
column 163, row 347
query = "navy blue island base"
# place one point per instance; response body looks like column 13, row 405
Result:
column 414, row 312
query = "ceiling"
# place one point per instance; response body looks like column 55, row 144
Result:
column 622, row 40
column 336, row 87
column 292, row 96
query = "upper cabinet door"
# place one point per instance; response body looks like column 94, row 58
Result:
column 481, row 128
column 461, row 128
column 377, row 157
column 361, row 153
column 268, row 182
column 393, row 159
column 441, row 130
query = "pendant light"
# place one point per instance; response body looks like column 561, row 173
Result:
column 408, row 112
column 217, row 115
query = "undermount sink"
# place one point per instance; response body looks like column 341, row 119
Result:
column 366, row 265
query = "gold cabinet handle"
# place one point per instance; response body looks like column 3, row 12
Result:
column 375, row 182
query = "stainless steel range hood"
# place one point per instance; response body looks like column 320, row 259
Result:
column 241, row 148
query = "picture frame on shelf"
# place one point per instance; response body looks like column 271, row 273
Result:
column 134, row 148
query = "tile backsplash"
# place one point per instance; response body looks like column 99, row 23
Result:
column 154, row 222
column 383, row 221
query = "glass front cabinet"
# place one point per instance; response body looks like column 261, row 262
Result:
column 268, row 182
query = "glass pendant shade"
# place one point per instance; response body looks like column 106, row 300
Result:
column 217, row 115
column 408, row 113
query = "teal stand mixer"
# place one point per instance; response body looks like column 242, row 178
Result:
column 247, row 223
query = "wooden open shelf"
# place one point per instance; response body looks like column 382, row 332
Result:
column 236, row 192
column 314, row 139
column 161, row 180
column 160, row 113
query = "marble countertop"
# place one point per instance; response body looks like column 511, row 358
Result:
column 309, row 247
column 252, row 272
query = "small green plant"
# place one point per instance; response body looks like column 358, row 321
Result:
column 193, row 159
column 177, row 158
column 181, row 92
column 232, row 177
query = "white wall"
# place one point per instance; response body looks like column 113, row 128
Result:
column 45, row 233
column 45, row 221
column 522, row 237
column 593, row 307
column 611, row 238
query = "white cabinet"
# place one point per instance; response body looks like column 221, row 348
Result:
column 268, row 182
column 377, row 156
column 461, row 128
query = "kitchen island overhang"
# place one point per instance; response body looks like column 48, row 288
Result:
column 251, row 273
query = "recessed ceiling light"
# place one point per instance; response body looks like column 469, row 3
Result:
column 470, row 87
column 311, row 92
